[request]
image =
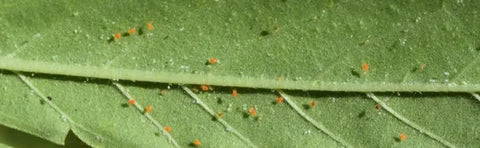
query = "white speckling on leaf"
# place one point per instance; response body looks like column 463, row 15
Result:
column 229, row 107
column 308, row 132
column 64, row 117
column 446, row 73
column 37, row 35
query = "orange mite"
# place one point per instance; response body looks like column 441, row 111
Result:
column 204, row 87
column 150, row 26
column 131, row 31
column 280, row 100
column 213, row 61
column 313, row 103
column 167, row 128
column 252, row 111
column 131, row 101
column 196, row 142
column 378, row 106
column 148, row 109
column 234, row 93
column 365, row 67
column 403, row 137
column 117, row 36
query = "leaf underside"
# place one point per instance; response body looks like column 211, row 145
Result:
column 420, row 58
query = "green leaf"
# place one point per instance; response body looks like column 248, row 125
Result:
column 416, row 61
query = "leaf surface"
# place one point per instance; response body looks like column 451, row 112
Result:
column 419, row 58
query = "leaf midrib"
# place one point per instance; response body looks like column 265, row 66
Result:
column 16, row 64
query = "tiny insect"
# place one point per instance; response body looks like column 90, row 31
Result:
column 365, row 67
column 280, row 100
column 167, row 128
column 131, row 101
column 163, row 92
column 313, row 103
column 204, row 87
column 378, row 106
column 196, row 142
column 150, row 26
column 49, row 98
column 234, row 93
column 117, row 36
column 220, row 115
column 252, row 111
column 213, row 61
column 131, row 31
column 195, row 90
column 423, row 66
column 148, row 109
column 403, row 137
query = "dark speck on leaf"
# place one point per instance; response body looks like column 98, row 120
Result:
column 355, row 73
column 264, row 33
column 397, row 139
column 111, row 39
column 307, row 106
column 415, row 69
column 362, row 114
column 141, row 31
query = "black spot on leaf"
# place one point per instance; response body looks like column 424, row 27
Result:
column 246, row 115
column 111, row 39
column 362, row 114
column 397, row 139
column 141, row 31
column 415, row 69
column 264, row 33
column 355, row 73
column 125, row 105
column 307, row 106
column 214, row 118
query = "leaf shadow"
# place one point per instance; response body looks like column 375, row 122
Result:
column 16, row 138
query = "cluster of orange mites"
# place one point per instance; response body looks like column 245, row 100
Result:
column 148, row 109
column 132, row 31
